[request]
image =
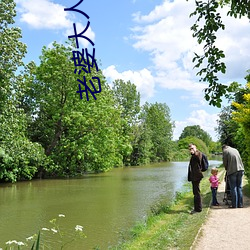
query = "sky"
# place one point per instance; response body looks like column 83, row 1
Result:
column 146, row 42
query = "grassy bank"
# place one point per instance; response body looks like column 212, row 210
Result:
column 170, row 227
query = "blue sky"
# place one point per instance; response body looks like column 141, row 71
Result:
column 148, row 42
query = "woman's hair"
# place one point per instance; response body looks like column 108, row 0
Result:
column 214, row 170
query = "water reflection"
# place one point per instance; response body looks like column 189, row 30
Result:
column 105, row 204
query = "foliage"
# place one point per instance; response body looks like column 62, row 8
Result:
column 181, row 154
column 196, row 131
column 127, row 98
column 156, row 120
column 78, row 135
column 12, row 50
column 227, row 127
column 233, row 123
column 242, row 116
column 205, row 28
column 215, row 148
column 142, row 145
column 201, row 146
column 21, row 158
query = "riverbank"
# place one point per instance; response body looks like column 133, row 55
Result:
column 175, row 228
column 172, row 227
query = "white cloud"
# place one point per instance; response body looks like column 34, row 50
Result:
column 143, row 80
column 165, row 33
column 43, row 14
column 159, row 12
column 235, row 41
column 208, row 122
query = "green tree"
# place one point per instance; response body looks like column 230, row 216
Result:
column 196, row 131
column 20, row 158
column 215, row 147
column 78, row 135
column 227, row 127
column 12, row 50
column 233, row 125
column 242, row 117
column 128, row 100
column 207, row 25
column 157, row 122
column 230, row 130
column 142, row 145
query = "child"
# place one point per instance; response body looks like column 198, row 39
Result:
column 214, row 185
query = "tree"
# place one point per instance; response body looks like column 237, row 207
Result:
column 230, row 130
column 157, row 122
column 142, row 145
column 242, row 116
column 208, row 23
column 128, row 100
column 12, row 50
column 227, row 127
column 20, row 158
column 78, row 135
column 196, row 131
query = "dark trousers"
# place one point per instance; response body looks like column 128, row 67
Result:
column 214, row 196
column 197, row 196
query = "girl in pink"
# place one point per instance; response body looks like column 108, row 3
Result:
column 214, row 186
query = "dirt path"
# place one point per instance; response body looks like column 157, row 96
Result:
column 225, row 228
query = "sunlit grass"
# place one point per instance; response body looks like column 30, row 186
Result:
column 170, row 226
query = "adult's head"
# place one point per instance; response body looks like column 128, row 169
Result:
column 192, row 148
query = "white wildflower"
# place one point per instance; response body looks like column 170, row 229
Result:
column 10, row 242
column 78, row 228
column 61, row 215
column 20, row 243
column 29, row 238
column 54, row 230
column 45, row 229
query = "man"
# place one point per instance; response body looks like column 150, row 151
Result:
column 235, row 169
column 195, row 175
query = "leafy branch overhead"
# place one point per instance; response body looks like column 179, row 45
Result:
column 205, row 28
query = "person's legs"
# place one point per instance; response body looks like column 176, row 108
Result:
column 214, row 196
column 239, row 188
column 233, row 188
column 197, row 196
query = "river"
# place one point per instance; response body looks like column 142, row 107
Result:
column 104, row 204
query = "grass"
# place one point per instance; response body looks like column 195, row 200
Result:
column 170, row 226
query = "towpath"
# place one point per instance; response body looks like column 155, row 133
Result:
column 225, row 228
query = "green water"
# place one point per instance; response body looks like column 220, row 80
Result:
column 105, row 204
